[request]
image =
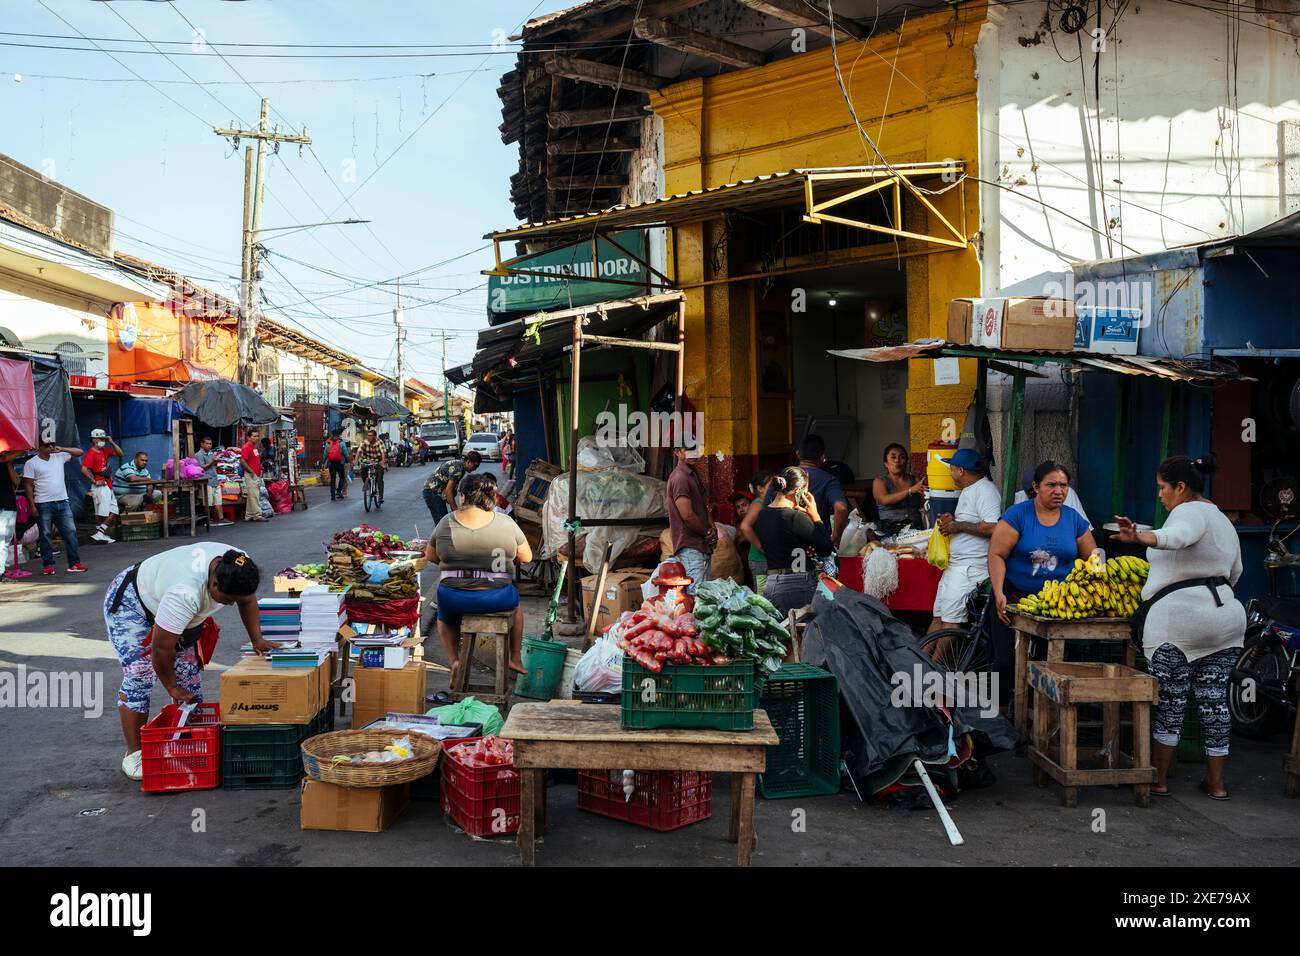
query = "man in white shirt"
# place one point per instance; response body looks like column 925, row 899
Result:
column 48, row 492
column 979, row 506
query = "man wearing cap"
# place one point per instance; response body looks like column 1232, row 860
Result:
column 94, row 465
column 979, row 506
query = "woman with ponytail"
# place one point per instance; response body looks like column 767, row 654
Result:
column 1190, row 623
column 793, row 538
column 156, row 612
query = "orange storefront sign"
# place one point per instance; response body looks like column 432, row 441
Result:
column 148, row 342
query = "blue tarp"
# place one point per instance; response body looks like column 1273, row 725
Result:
column 149, row 416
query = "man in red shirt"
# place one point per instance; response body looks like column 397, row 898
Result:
column 252, row 459
column 693, row 534
column 94, row 465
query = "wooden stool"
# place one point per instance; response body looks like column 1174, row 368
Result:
column 1292, row 764
column 297, row 496
column 497, row 627
column 1058, row 689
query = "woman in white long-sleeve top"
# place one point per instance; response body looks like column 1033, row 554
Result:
column 1194, row 625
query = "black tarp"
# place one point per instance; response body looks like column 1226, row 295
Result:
column 221, row 403
column 856, row 638
column 54, row 401
column 379, row 407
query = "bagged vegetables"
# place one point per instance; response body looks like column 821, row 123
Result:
column 735, row 622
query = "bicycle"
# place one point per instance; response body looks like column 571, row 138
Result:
column 966, row 649
column 370, row 487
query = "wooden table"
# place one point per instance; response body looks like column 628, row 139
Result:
column 1058, row 634
column 196, row 487
column 588, row 737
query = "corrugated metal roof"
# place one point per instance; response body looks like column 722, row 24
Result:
column 1144, row 365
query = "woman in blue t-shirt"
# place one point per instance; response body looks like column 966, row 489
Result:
column 1037, row 540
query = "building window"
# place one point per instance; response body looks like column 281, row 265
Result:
column 73, row 356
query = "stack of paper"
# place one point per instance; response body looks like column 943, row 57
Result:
column 279, row 617
column 321, row 615
column 299, row 657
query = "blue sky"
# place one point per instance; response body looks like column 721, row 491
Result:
column 176, row 187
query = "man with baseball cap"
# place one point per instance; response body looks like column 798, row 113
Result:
column 94, row 465
column 979, row 506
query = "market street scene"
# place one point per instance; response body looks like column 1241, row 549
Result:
column 652, row 433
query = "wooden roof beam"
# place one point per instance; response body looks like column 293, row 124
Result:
column 603, row 74
column 587, row 145
column 604, row 181
column 798, row 13
column 564, row 119
column 684, row 40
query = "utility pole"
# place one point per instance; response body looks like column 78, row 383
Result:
column 401, row 335
column 446, row 394
column 254, row 196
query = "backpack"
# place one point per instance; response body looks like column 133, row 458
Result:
column 335, row 452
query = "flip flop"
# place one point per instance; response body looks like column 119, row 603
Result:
column 1213, row 796
column 1160, row 793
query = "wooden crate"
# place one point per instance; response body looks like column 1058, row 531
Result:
column 139, row 517
column 533, row 490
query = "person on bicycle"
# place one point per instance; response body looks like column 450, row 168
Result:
column 979, row 506
column 372, row 455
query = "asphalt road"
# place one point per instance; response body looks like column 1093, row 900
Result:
column 58, row 763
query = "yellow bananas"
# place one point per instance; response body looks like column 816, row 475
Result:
column 1094, row 588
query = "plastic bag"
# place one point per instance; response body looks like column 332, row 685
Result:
column 470, row 711
column 595, row 456
column 855, row 536
column 937, row 552
column 278, row 494
column 601, row 667
column 612, row 493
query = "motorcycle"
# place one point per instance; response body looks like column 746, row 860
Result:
column 1262, row 691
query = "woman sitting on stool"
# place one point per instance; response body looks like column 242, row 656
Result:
column 476, row 549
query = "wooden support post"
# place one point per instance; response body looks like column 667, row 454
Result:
column 575, row 614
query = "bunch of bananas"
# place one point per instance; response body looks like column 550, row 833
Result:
column 1093, row 588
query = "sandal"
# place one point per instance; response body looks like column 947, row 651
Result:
column 1205, row 789
column 1160, row 793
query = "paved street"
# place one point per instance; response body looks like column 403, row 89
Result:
column 58, row 764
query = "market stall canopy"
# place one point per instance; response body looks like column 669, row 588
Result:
column 380, row 406
column 516, row 351
column 1175, row 370
column 222, row 403
column 17, row 406
column 53, row 390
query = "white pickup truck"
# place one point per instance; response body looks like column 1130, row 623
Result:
column 441, row 440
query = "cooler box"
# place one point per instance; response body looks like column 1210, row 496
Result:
column 937, row 474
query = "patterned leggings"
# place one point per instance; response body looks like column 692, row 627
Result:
column 129, row 632
column 1209, row 675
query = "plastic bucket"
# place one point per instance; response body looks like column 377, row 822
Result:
column 571, row 658
column 544, row 662
column 938, row 477
column 941, row 502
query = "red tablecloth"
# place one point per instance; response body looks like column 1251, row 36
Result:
column 918, row 580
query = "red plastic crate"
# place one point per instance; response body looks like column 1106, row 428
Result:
column 472, row 796
column 191, row 761
column 662, row 800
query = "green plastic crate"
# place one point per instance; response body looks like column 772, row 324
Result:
column 147, row 531
column 267, row 756
column 803, row 703
column 691, row 696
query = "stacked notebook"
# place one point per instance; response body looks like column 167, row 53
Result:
column 321, row 616
column 279, row 617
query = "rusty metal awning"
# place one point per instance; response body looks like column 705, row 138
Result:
column 1175, row 370
column 516, row 351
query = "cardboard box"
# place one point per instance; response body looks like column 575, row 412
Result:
column 253, row 692
column 378, row 690
column 286, row 585
column 1036, row 323
column 960, row 313
column 1111, row 330
column 326, row 806
column 622, row 593
column 139, row 517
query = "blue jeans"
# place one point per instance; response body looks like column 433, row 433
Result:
column 696, row 564
column 437, row 506
column 49, row 512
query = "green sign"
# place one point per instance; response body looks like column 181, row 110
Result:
column 568, row 277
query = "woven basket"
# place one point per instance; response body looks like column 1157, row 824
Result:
column 319, row 751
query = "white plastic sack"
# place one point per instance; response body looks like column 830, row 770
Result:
column 854, row 538
column 601, row 668
column 611, row 493
column 599, row 456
